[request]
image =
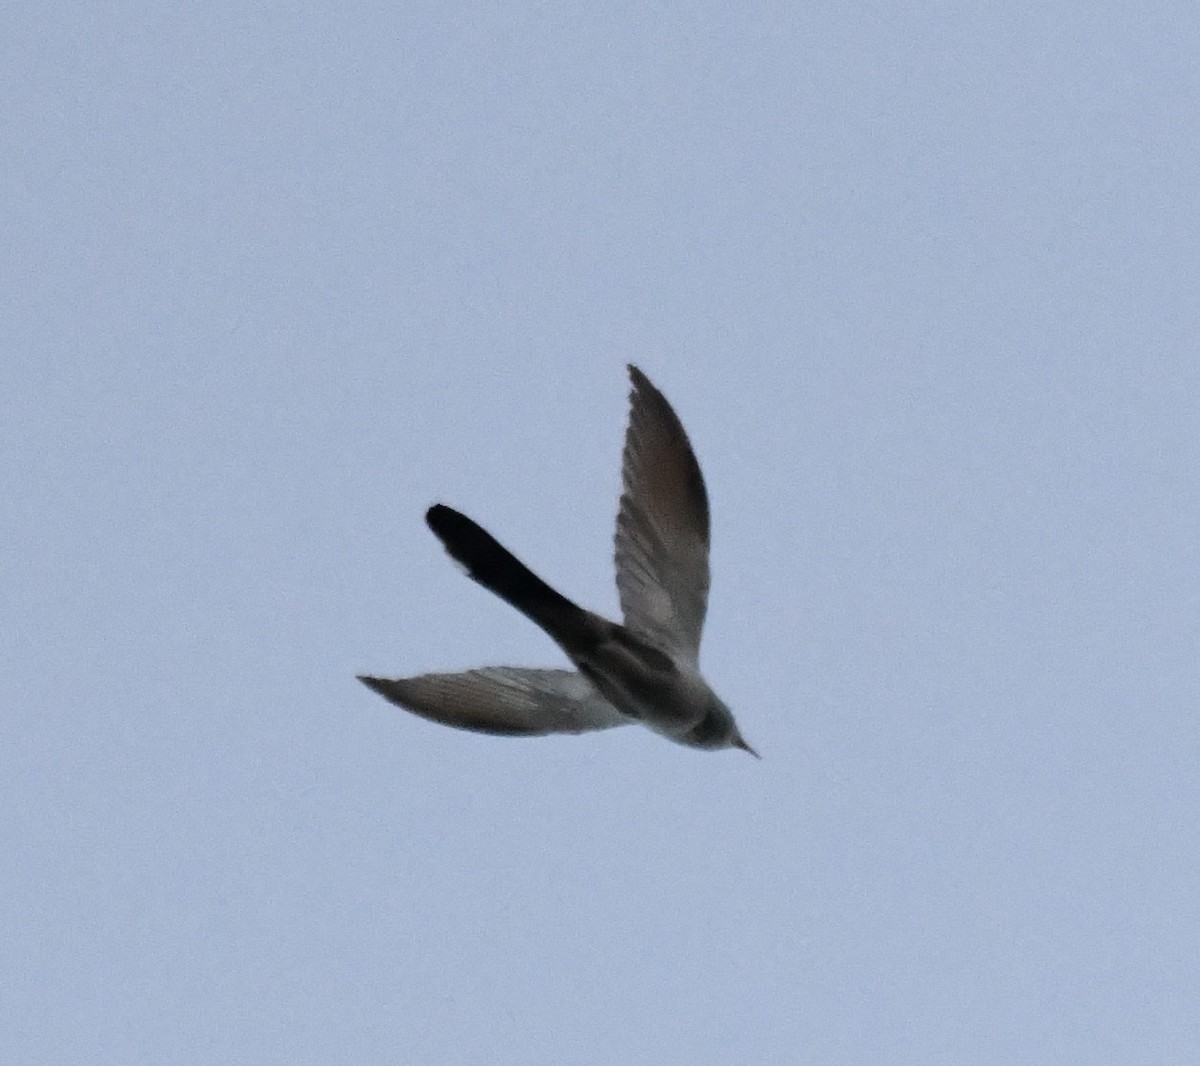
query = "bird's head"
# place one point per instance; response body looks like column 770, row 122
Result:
column 717, row 729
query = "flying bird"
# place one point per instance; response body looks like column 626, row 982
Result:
column 645, row 670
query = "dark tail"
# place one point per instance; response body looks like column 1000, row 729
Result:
column 498, row 570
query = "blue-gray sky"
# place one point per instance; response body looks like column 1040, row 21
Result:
column 923, row 287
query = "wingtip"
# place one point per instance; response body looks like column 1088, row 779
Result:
column 642, row 391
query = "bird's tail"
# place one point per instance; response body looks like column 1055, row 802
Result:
column 496, row 568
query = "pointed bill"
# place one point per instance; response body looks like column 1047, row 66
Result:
column 662, row 527
column 503, row 700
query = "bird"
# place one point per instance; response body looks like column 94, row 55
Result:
column 645, row 669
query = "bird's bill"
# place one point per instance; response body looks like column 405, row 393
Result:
column 738, row 742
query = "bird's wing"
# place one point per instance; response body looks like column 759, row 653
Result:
column 504, row 700
column 662, row 526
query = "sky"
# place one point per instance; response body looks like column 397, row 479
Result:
column 921, row 283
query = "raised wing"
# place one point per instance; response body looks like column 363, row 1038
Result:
column 504, row 700
column 662, row 527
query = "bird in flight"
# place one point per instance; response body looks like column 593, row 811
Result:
column 645, row 670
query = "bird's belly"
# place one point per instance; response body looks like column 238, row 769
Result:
column 645, row 683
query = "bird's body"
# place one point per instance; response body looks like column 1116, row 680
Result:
column 645, row 670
